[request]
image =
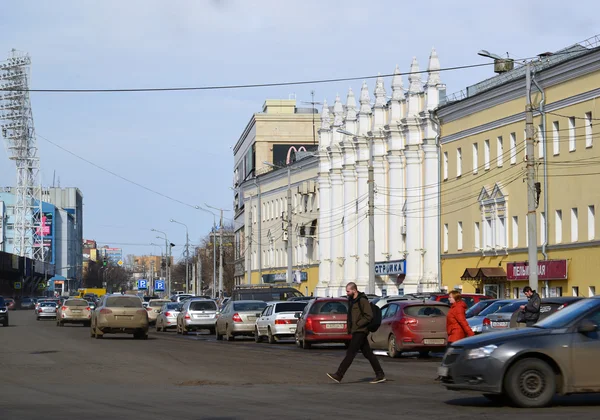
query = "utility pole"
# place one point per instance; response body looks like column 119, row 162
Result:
column 289, row 227
column 221, row 258
column 214, row 241
column 371, row 181
column 531, row 191
column 248, row 251
column 199, row 274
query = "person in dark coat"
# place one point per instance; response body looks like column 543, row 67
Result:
column 360, row 315
column 531, row 311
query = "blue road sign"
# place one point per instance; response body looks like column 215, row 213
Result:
column 142, row 284
column 159, row 285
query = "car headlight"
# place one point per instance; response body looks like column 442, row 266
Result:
column 2, row 310
column 481, row 352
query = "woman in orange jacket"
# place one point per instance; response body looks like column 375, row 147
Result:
column 457, row 326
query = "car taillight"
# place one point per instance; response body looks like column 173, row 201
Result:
column 187, row 316
column 308, row 324
column 64, row 308
column 148, row 308
column 486, row 321
column 40, row 310
column 168, row 314
column 283, row 321
column 105, row 311
column 237, row 318
column 88, row 309
column 408, row 321
column 563, row 306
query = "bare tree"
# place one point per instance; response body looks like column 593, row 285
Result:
column 205, row 252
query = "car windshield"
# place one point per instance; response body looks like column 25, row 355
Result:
column 426, row 310
column 76, row 303
column 477, row 308
column 203, row 305
column 570, row 313
column 290, row 307
column 157, row 303
column 48, row 304
column 123, row 302
column 494, row 307
column 331, row 307
column 249, row 306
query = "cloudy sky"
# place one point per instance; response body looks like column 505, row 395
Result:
column 179, row 143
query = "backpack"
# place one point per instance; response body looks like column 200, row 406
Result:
column 376, row 321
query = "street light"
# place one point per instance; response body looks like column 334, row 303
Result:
column 167, row 248
column 187, row 255
column 371, row 181
column 487, row 54
column 220, row 249
column 214, row 288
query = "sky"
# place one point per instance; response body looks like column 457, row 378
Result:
column 180, row 143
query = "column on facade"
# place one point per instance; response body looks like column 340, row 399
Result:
column 414, row 210
column 396, row 163
column 350, row 191
column 379, row 169
column 336, row 231
column 323, row 223
column 362, row 174
column 431, row 275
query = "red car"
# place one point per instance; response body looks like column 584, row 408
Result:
column 469, row 299
column 324, row 320
column 411, row 326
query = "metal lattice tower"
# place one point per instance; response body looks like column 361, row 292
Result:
column 16, row 122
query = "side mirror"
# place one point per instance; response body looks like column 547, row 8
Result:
column 587, row 326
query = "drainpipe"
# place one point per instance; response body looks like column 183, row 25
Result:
column 545, row 148
column 434, row 118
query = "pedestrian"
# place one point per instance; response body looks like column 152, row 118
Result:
column 360, row 315
column 457, row 326
column 531, row 311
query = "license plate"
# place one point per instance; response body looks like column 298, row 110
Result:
column 251, row 318
column 499, row 324
column 123, row 317
column 76, row 310
column 440, row 341
column 202, row 316
column 292, row 330
column 335, row 326
column 442, row 371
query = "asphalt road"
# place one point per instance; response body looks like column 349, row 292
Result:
column 62, row 373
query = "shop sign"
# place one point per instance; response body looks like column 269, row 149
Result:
column 387, row 268
column 547, row 270
column 298, row 277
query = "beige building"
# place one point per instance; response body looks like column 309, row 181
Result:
column 276, row 135
column 483, row 198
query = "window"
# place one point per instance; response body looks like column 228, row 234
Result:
column 513, row 148
column 500, row 146
column 486, row 154
column 475, row 157
column 488, row 234
column 515, row 231
column 445, row 166
column 572, row 143
column 458, row 162
column 501, row 234
column 575, row 291
column 574, row 225
column 460, row 236
column 591, row 223
column 559, row 291
column 558, row 226
column 542, row 227
column 592, row 291
column 541, row 140
column 556, row 137
column 476, row 236
column 446, row 237
column 588, row 130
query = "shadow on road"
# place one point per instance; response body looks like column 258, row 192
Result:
column 587, row 400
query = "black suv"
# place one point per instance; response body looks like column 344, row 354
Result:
column 3, row 312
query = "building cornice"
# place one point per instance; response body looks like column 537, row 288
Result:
column 511, row 251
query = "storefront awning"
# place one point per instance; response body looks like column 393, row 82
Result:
column 484, row 274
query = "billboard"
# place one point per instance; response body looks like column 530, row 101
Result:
column 284, row 154
column 45, row 227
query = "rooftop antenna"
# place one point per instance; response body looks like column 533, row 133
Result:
column 54, row 179
column 313, row 103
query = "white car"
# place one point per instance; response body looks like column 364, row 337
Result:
column 278, row 320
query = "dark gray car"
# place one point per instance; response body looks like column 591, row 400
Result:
column 529, row 366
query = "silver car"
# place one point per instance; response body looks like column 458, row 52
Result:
column 197, row 314
column 238, row 318
column 476, row 322
column 278, row 320
column 500, row 320
column 382, row 301
column 167, row 318
column 46, row 309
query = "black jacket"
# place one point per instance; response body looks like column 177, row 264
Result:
column 360, row 314
column 532, row 309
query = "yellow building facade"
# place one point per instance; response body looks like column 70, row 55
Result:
column 483, row 199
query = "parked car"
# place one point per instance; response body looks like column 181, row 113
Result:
column 410, row 326
column 74, row 311
column 10, row 304
column 178, row 298
column 153, row 309
column 197, row 314
column 476, row 322
column 238, row 318
column 300, row 298
column 501, row 318
column 266, row 293
column 120, row 314
column 548, row 307
column 278, row 320
column 469, row 298
column 167, row 318
column 28, row 303
column 46, row 309
column 324, row 320
column 528, row 366
column 382, row 301
column 476, row 309
column 3, row 312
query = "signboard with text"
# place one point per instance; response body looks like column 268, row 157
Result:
column 388, row 268
column 547, row 270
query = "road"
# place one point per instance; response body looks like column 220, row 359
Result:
column 58, row 373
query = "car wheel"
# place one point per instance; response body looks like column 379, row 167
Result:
column 229, row 336
column 257, row 337
column 305, row 344
column 392, row 349
column 530, row 383
column 218, row 336
column 272, row 339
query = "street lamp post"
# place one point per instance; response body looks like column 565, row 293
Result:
column 187, row 255
column 212, row 236
column 220, row 250
column 168, row 267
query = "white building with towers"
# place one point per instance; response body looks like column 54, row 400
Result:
column 401, row 132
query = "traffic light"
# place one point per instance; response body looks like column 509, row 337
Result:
column 104, row 262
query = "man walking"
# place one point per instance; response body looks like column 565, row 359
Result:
column 360, row 315
column 531, row 311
